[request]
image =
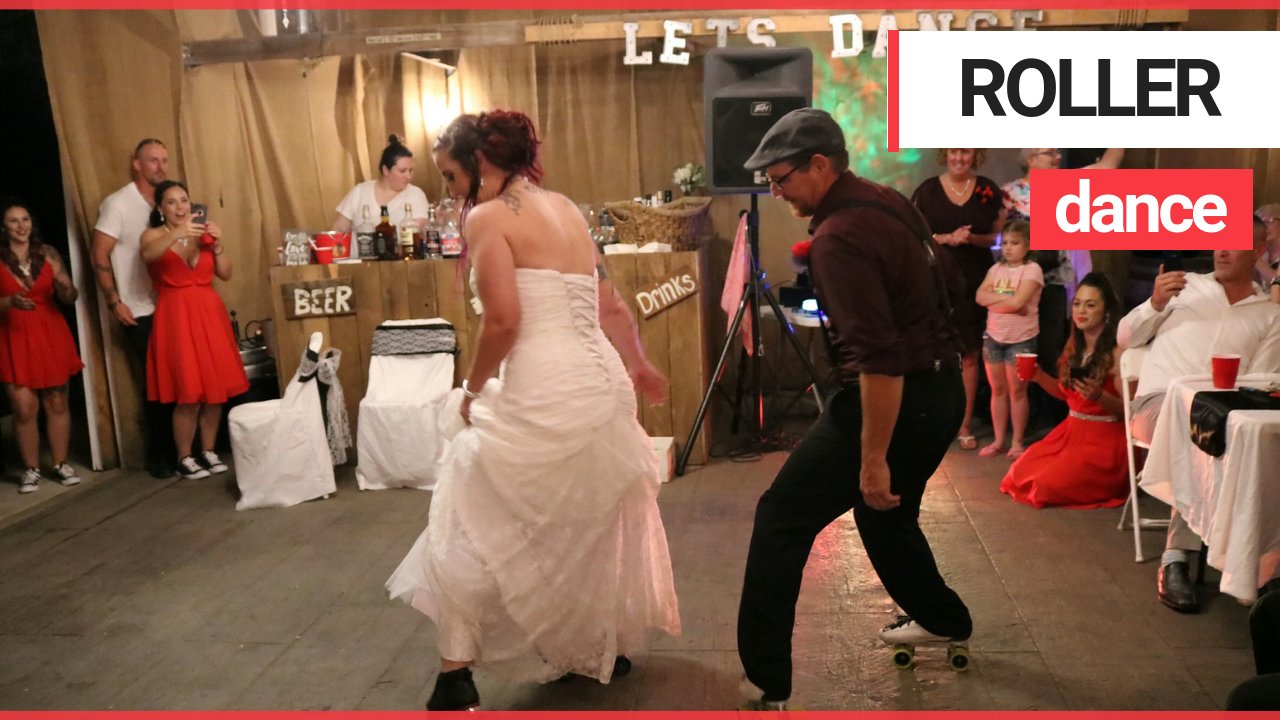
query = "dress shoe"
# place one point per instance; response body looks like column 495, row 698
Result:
column 1173, row 585
column 455, row 690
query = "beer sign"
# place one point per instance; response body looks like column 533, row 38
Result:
column 319, row 298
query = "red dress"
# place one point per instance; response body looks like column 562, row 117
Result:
column 1082, row 463
column 36, row 348
column 193, row 357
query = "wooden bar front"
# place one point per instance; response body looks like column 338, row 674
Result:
column 675, row 338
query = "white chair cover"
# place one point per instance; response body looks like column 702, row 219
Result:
column 410, row 373
column 283, row 452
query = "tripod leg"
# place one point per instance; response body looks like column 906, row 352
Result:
column 729, row 340
column 795, row 345
column 738, row 390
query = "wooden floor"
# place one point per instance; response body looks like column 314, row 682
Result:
column 128, row 592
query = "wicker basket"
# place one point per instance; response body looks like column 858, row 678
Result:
column 679, row 222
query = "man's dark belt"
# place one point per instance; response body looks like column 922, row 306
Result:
column 933, row 367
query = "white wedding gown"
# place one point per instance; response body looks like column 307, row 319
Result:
column 544, row 552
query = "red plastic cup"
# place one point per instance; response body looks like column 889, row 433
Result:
column 324, row 255
column 1225, row 368
column 1026, row 365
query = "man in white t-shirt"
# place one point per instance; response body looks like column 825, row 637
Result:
column 1190, row 317
column 126, row 286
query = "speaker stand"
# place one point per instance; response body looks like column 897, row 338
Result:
column 754, row 291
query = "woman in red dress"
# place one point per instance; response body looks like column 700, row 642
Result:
column 37, row 353
column 1082, row 462
column 193, row 359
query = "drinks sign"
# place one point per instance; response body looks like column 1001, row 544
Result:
column 319, row 298
column 681, row 285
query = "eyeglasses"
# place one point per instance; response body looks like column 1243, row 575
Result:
column 783, row 180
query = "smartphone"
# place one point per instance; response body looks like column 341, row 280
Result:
column 1079, row 373
column 199, row 213
column 1173, row 261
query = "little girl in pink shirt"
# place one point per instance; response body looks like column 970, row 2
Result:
column 1011, row 294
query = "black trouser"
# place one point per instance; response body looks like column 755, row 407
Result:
column 1047, row 411
column 1262, row 692
column 818, row 483
column 157, row 416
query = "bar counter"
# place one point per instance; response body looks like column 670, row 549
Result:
column 349, row 300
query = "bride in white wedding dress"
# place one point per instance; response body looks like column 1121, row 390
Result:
column 544, row 552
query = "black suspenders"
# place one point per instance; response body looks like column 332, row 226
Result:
column 916, row 224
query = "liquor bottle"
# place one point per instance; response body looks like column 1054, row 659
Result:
column 433, row 233
column 405, row 233
column 666, row 197
column 386, row 242
column 364, row 236
column 606, row 233
column 450, row 236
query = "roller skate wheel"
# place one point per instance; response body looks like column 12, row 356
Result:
column 958, row 657
column 903, row 656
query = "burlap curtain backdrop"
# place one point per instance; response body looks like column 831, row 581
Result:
column 274, row 145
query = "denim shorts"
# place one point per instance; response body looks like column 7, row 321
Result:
column 996, row 352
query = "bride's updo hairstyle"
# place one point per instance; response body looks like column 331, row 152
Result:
column 506, row 137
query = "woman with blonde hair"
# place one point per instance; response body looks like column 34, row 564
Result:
column 964, row 212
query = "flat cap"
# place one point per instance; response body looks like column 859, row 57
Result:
column 799, row 131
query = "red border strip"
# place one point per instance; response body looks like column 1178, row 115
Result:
column 624, row 715
column 637, row 5
column 892, row 93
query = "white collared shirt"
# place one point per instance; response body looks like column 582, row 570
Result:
column 1197, row 324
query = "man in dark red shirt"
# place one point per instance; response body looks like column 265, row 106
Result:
column 879, row 281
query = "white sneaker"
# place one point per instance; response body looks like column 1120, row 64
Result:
column 754, row 698
column 905, row 631
column 30, row 481
column 190, row 469
column 210, row 461
column 66, row 474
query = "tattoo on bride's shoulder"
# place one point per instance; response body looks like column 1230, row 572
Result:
column 512, row 201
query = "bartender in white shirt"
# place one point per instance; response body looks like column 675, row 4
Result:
column 392, row 188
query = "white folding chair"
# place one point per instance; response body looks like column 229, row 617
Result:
column 1130, row 368
column 283, row 450
column 410, row 372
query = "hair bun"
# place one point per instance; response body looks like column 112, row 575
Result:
column 394, row 140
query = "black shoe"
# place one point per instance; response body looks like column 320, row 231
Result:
column 1173, row 585
column 621, row 666
column 455, row 690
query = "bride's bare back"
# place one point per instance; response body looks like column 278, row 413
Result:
column 544, row 229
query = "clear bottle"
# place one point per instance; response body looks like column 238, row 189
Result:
column 450, row 235
column 606, row 233
column 386, row 244
column 432, row 233
column 405, row 232
column 364, row 235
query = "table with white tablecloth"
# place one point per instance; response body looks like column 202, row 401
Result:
column 1232, row 502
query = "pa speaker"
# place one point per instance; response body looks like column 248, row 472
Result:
column 745, row 91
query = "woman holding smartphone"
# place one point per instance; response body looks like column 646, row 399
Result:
column 193, row 359
column 1082, row 462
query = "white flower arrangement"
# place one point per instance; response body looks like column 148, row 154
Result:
column 689, row 177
